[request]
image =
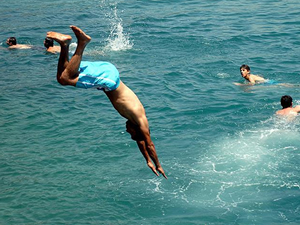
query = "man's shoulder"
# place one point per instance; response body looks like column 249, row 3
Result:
column 279, row 112
column 289, row 111
column 256, row 77
column 53, row 49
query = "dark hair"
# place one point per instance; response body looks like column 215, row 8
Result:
column 48, row 42
column 286, row 101
column 244, row 66
column 12, row 40
column 136, row 134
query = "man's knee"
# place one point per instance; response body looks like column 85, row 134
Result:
column 62, row 81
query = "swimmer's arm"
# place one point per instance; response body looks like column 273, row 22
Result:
column 297, row 108
column 252, row 80
column 239, row 84
column 143, row 150
column 150, row 149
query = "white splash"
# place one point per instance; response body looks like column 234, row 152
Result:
column 118, row 40
column 223, row 75
column 88, row 51
column 72, row 47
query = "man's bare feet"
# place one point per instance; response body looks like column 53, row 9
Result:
column 62, row 39
column 82, row 37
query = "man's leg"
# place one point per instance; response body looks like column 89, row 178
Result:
column 64, row 41
column 67, row 72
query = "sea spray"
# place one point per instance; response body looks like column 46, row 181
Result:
column 118, row 40
column 252, row 168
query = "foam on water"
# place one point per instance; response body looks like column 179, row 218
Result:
column 248, row 172
column 88, row 51
column 223, row 75
column 72, row 47
column 249, row 176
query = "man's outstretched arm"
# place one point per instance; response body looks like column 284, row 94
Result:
column 142, row 147
column 149, row 147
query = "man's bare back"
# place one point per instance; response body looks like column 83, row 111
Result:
column 126, row 102
column 20, row 46
column 255, row 78
column 289, row 111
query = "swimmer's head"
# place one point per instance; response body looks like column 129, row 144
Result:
column 11, row 41
column 286, row 101
column 48, row 42
column 134, row 131
column 245, row 70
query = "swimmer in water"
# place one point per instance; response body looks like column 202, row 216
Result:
column 12, row 42
column 48, row 43
column 253, row 79
column 104, row 76
column 287, row 107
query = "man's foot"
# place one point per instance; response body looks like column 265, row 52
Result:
column 62, row 39
column 82, row 37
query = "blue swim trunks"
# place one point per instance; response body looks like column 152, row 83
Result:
column 271, row 82
column 100, row 75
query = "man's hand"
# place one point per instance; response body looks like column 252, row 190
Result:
column 152, row 167
column 159, row 169
column 237, row 84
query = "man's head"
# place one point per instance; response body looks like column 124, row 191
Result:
column 286, row 101
column 245, row 70
column 11, row 41
column 48, row 42
column 134, row 131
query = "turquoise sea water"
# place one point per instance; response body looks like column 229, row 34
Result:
column 65, row 157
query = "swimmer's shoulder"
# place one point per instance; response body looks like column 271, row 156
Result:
column 257, row 78
column 280, row 112
column 297, row 108
column 288, row 111
column 54, row 49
